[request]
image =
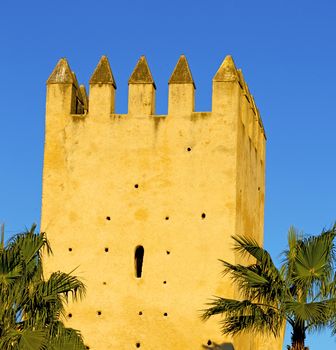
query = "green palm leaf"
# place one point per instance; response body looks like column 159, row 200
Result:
column 24, row 340
column 30, row 306
column 308, row 313
column 302, row 292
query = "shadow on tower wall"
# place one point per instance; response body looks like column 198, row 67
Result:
column 224, row 346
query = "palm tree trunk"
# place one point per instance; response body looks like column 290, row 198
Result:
column 298, row 338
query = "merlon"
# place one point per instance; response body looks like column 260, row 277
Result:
column 141, row 73
column 227, row 71
column 61, row 74
column 182, row 73
column 103, row 73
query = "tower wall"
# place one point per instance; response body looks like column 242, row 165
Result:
column 179, row 185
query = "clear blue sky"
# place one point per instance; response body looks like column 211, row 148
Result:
column 287, row 50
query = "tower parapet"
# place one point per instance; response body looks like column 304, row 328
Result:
column 145, row 204
column 228, row 89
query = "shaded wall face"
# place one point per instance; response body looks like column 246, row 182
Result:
column 169, row 184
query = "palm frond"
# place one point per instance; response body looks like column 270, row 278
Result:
column 255, row 282
column 63, row 338
column 30, row 244
column 240, row 316
column 302, row 292
column 220, row 305
column 64, row 283
column 313, row 267
column 26, row 339
column 263, row 322
column 313, row 313
column 247, row 246
column 30, row 306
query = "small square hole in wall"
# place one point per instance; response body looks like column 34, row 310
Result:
column 209, row 342
column 99, row 313
column 137, row 345
column 167, row 218
column 203, row 215
column 164, row 282
column 70, row 249
column 108, row 218
column 167, row 252
column 136, row 186
column 165, row 314
column 189, row 149
column 140, row 313
column 106, row 250
column 69, row 315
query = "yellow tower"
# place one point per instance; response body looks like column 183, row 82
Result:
column 145, row 204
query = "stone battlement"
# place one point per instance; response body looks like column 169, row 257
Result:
column 142, row 89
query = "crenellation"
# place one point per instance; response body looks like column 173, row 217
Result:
column 262, row 147
column 241, row 80
column 63, row 89
column 141, row 97
column 257, row 137
column 260, row 131
column 103, row 73
column 227, row 71
column 79, row 103
column 75, row 81
column 181, row 90
column 181, row 73
column 226, row 90
column 230, row 98
column 250, row 123
column 61, row 74
column 253, row 105
column 249, row 99
column 85, row 98
column 102, row 90
column 141, row 90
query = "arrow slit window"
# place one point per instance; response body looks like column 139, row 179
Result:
column 138, row 260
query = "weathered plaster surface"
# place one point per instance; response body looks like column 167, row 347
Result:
column 179, row 185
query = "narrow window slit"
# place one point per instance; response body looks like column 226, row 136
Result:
column 138, row 260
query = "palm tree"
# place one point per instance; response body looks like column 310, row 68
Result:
column 30, row 305
column 302, row 292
